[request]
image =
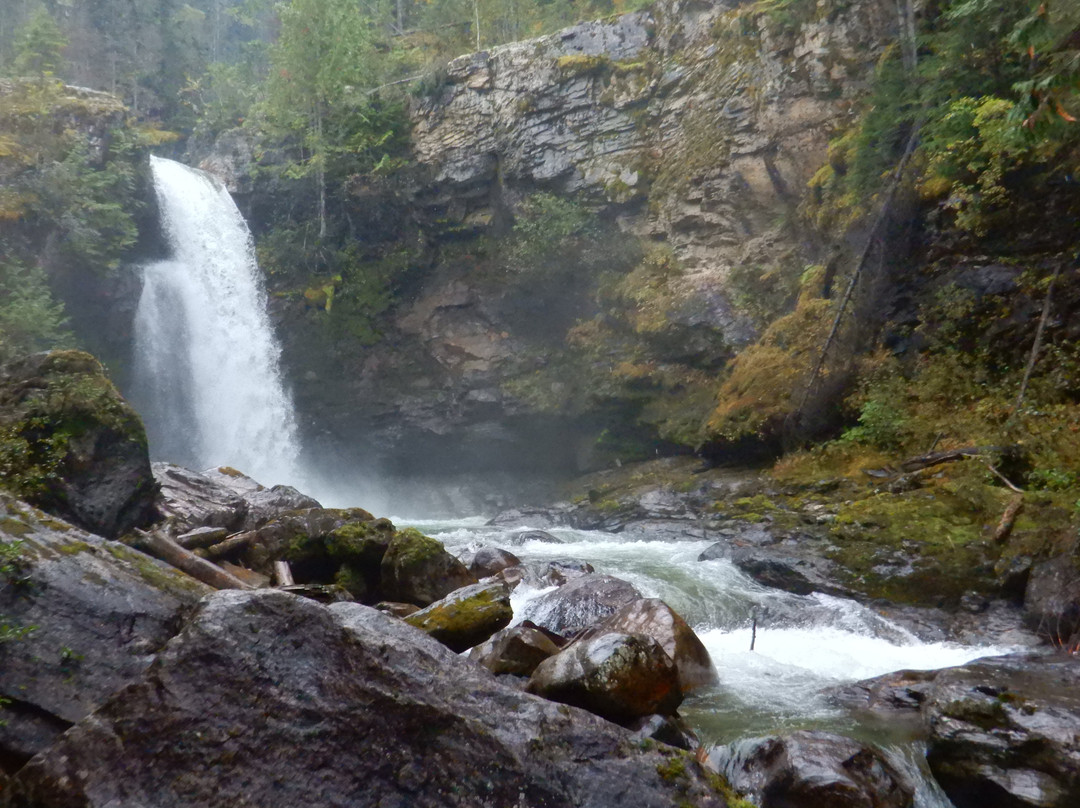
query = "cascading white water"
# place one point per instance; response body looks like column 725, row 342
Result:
column 805, row 645
column 207, row 380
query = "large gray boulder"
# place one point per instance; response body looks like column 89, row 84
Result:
column 580, row 603
column 72, row 445
column 190, row 499
column 99, row 611
column 1005, row 732
column 1052, row 600
column 272, row 700
column 263, row 504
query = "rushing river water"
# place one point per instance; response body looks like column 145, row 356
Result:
column 804, row 645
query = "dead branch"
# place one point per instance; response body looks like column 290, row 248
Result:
column 1037, row 344
column 879, row 220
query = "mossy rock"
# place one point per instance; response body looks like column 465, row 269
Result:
column 71, row 445
column 466, row 617
column 417, row 569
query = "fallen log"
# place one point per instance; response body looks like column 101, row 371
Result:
column 1008, row 519
column 186, row 561
column 233, row 544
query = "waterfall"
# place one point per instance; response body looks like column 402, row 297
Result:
column 207, row 380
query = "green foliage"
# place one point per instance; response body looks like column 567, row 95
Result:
column 40, row 43
column 90, row 207
column 12, row 572
column 996, row 95
column 545, row 225
column 30, row 320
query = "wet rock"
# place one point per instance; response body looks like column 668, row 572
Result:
column 668, row 729
column 901, row 690
column 289, row 531
column 417, row 569
column 526, row 536
column 1005, row 731
column 263, row 504
column 557, row 573
column 99, row 612
column 261, row 701
column 397, row 609
column 815, row 769
column 465, row 617
column 798, row 571
column 654, row 618
column 82, row 449
column 1052, row 599
column 580, row 603
column 554, row 516
column 621, row 677
column 516, row 651
column 189, row 500
column 327, row 546
column 490, row 560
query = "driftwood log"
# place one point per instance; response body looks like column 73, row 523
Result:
column 231, row 545
column 186, row 561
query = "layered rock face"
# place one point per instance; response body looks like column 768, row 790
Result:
column 693, row 126
column 718, row 128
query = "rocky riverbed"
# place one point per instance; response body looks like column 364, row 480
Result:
column 608, row 659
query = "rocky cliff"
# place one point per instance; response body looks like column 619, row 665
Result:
column 684, row 136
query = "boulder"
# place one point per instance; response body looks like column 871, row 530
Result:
column 1052, row 599
column 557, row 573
column 71, row 445
column 811, row 769
column 903, row 691
column 465, row 617
column 526, row 536
column 580, row 603
column 98, row 610
column 272, row 700
column 417, row 569
column 654, row 618
column 326, row 546
column 669, row 729
column 1005, row 731
column 792, row 569
column 621, row 677
column 263, row 504
column 517, row 650
column 491, row 560
column 191, row 500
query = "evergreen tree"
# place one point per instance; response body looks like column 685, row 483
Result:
column 40, row 45
column 322, row 67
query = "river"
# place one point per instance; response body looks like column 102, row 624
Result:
column 804, row 645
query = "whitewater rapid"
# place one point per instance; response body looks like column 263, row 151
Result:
column 804, row 647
